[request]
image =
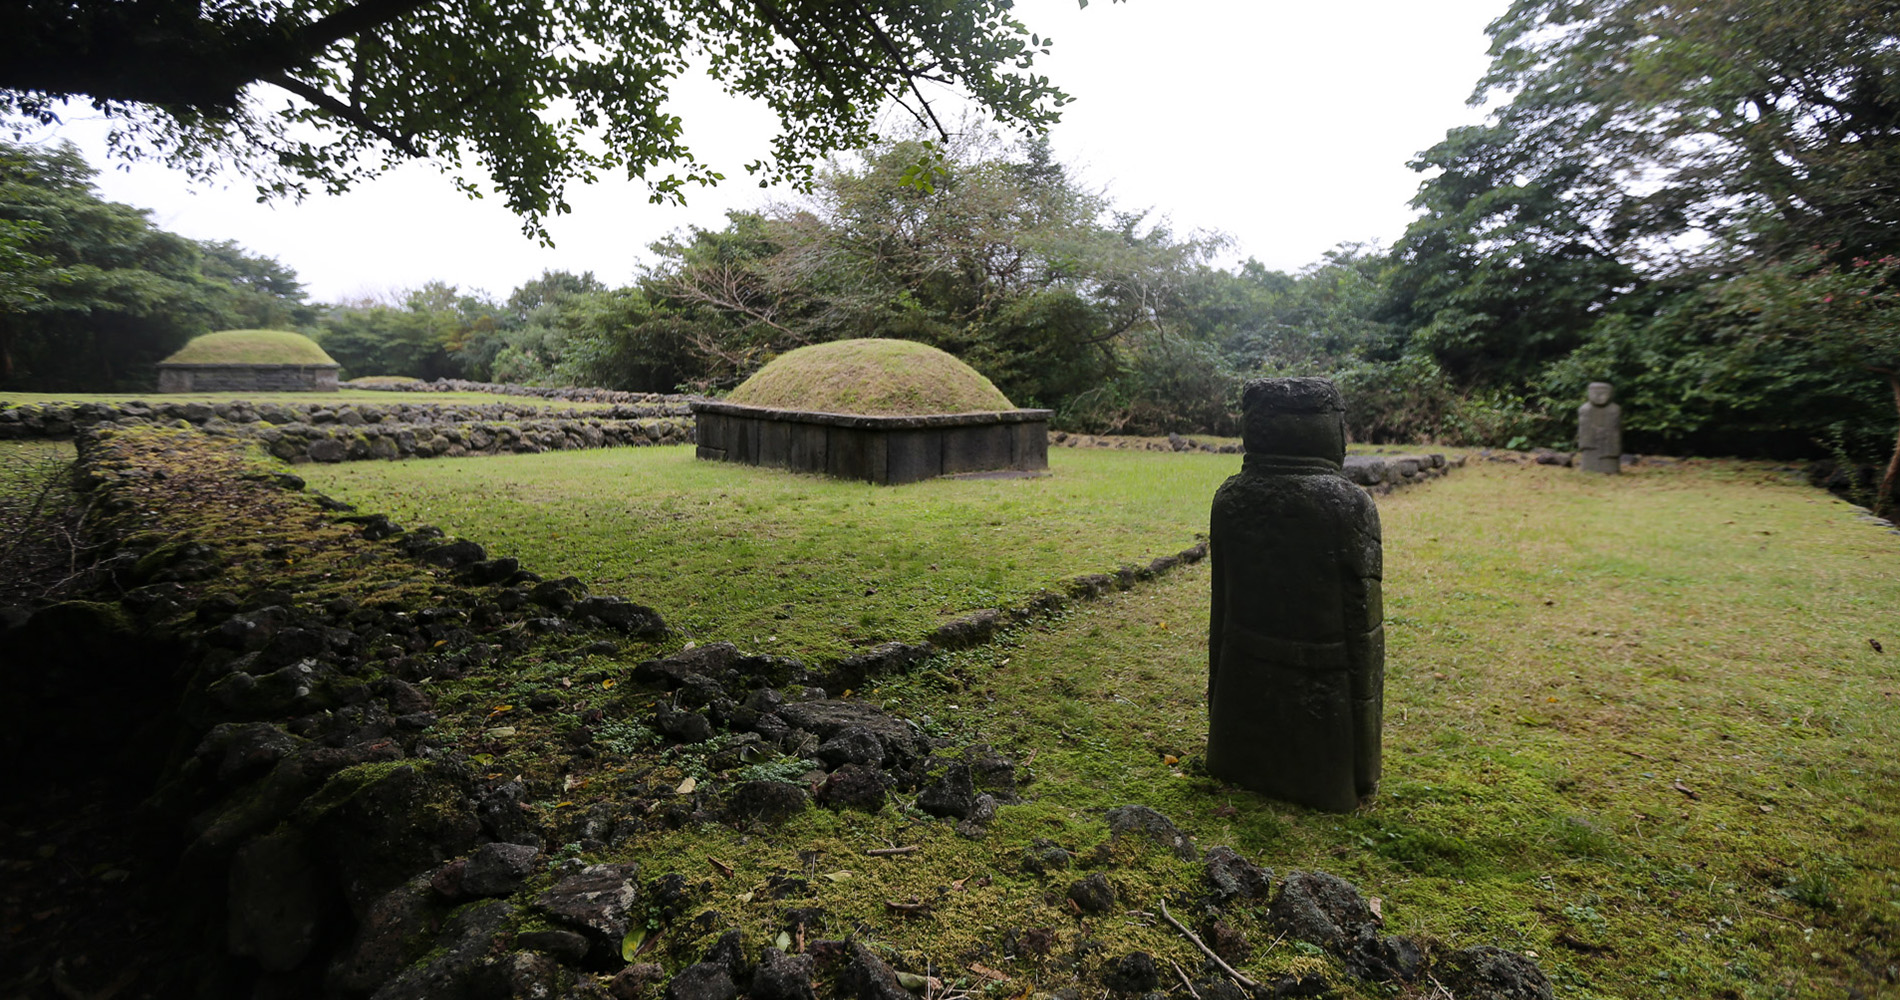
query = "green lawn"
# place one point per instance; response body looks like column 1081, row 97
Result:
column 1633, row 725
column 800, row 564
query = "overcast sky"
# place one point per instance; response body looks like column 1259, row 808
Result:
column 1285, row 125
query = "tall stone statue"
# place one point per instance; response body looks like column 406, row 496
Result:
column 1600, row 431
column 1296, row 645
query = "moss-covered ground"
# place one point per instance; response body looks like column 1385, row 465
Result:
column 1640, row 726
column 1634, row 725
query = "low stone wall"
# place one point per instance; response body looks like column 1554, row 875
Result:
column 1382, row 473
column 316, row 433
column 246, row 378
column 297, row 443
column 58, row 420
column 885, row 450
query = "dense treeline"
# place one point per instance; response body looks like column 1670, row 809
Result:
column 92, row 294
column 1700, row 204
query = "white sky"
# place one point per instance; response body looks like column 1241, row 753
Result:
column 1285, row 125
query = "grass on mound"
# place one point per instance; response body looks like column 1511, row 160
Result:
column 875, row 376
column 375, row 380
column 251, row 347
column 804, row 565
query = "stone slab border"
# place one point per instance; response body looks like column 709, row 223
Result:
column 876, row 449
column 236, row 377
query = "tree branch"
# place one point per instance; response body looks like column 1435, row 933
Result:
column 352, row 115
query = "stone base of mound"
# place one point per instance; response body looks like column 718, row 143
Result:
column 884, row 450
column 175, row 377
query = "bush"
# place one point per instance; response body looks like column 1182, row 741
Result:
column 1412, row 400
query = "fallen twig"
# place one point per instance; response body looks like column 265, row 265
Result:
column 908, row 909
column 1196, row 994
column 1205, row 950
column 886, row 852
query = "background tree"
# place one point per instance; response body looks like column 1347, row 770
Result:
column 265, row 295
column 94, row 293
column 310, row 94
column 1003, row 259
column 1647, row 167
column 415, row 333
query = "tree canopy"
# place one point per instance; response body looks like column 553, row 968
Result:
column 320, row 94
column 1750, row 126
column 91, row 292
column 1698, row 201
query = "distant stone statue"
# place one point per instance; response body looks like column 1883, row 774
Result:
column 1600, row 431
column 1296, row 645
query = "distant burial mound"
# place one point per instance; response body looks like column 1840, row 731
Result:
column 885, row 411
column 249, row 361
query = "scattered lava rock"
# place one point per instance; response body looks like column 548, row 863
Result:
column 1232, row 877
column 765, row 801
column 952, row 794
column 1138, row 819
column 1093, row 894
column 702, row 981
column 1134, row 972
column 782, row 977
column 597, row 900
column 1491, row 973
column 853, row 786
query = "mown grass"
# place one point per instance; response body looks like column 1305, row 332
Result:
column 339, row 398
column 800, row 564
column 1634, row 725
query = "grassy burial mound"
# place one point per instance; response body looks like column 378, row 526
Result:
column 872, row 377
column 884, row 411
column 248, row 360
column 251, row 347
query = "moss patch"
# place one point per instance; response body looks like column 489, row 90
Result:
column 251, row 347
column 873, row 376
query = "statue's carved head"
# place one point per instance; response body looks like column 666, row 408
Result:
column 1302, row 417
column 1601, row 393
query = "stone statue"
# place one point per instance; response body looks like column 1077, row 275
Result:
column 1296, row 645
column 1600, row 431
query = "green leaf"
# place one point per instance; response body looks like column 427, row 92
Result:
column 630, row 945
